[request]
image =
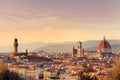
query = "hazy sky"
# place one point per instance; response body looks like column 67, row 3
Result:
column 58, row 20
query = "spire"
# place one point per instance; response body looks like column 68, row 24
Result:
column 104, row 38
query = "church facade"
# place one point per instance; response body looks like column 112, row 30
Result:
column 104, row 49
column 79, row 52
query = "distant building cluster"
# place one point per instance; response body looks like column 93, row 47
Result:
column 61, row 65
column 104, row 50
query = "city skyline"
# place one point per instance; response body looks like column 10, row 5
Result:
column 58, row 21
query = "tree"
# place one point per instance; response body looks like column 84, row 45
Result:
column 6, row 74
column 116, row 71
column 85, row 74
column 87, row 68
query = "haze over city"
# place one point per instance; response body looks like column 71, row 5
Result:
column 59, row 40
column 58, row 20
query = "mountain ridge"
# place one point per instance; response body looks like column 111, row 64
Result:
column 87, row 45
column 60, row 46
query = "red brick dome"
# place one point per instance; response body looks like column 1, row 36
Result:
column 104, row 44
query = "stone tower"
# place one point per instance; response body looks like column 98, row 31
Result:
column 74, row 52
column 15, row 45
column 79, row 49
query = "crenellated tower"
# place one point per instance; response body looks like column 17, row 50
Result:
column 15, row 45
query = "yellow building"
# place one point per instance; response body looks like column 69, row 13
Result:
column 50, row 74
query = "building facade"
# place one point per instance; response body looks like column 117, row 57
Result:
column 79, row 52
column 104, row 50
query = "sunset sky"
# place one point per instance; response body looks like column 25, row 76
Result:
column 58, row 20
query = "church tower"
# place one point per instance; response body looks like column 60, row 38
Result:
column 74, row 52
column 15, row 45
column 79, row 49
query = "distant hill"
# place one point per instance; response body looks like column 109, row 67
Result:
column 58, row 47
column 87, row 45
column 23, row 47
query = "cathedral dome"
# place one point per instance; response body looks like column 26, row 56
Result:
column 104, row 45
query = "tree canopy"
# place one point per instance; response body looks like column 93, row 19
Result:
column 6, row 74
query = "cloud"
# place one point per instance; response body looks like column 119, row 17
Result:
column 56, row 21
column 83, row 11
